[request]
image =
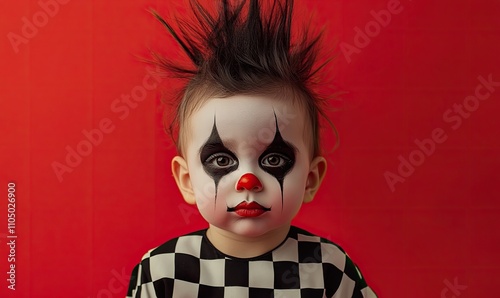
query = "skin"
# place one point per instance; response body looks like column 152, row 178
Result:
column 238, row 151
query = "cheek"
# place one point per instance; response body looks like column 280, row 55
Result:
column 295, row 182
column 293, row 189
column 214, row 211
column 203, row 185
column 205, row 191
column 293, row 194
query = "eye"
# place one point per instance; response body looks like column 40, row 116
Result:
column 274, row 160
column 220, row 160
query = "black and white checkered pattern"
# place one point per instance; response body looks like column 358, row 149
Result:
column 304, row 265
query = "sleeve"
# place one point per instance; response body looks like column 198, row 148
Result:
column 361, row 289
column 134, row 283
column 141, row 284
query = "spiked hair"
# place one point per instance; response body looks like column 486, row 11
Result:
column 244, row 48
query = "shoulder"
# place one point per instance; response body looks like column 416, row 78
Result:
column 313, row 248
column 157, row 265
column 340, row 273
column 314, row 242
column 324, row 251
column 189, row 244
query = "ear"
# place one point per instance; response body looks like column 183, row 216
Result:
column 181, row 176
column 317, row 171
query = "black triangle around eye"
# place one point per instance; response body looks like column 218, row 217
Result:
column 279, row 145
column 212, row 146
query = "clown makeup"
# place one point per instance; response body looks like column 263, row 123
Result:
column 218, row 161
column 248, row 164
column 278, row 158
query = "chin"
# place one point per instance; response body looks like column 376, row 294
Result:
column 251, row 228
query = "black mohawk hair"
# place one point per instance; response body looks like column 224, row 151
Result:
column 243, row 46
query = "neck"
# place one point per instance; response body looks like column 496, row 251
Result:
column 240, row 246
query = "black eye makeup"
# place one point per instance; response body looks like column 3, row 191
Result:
column 278, row 158
column 216, row 158
column 220, row 161
column 275, row 161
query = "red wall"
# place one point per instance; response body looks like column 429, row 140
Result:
column 413, row 82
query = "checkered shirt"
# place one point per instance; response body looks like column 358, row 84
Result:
column 304, row 265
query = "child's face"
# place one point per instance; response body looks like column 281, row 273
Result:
column 244, row 149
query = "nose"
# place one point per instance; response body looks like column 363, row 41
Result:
column 249, row 182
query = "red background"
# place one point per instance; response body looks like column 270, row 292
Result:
column 78, row 236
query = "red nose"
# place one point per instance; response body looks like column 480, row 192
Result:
column 249, row 182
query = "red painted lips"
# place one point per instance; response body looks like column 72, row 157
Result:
column 251, row 209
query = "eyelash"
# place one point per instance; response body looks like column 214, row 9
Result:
column 284, row 160
column 210, row 160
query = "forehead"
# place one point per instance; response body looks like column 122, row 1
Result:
column 247, row 120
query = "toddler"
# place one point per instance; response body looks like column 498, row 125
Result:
column 249, row 157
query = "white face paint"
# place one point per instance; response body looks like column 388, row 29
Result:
column 254, row 135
